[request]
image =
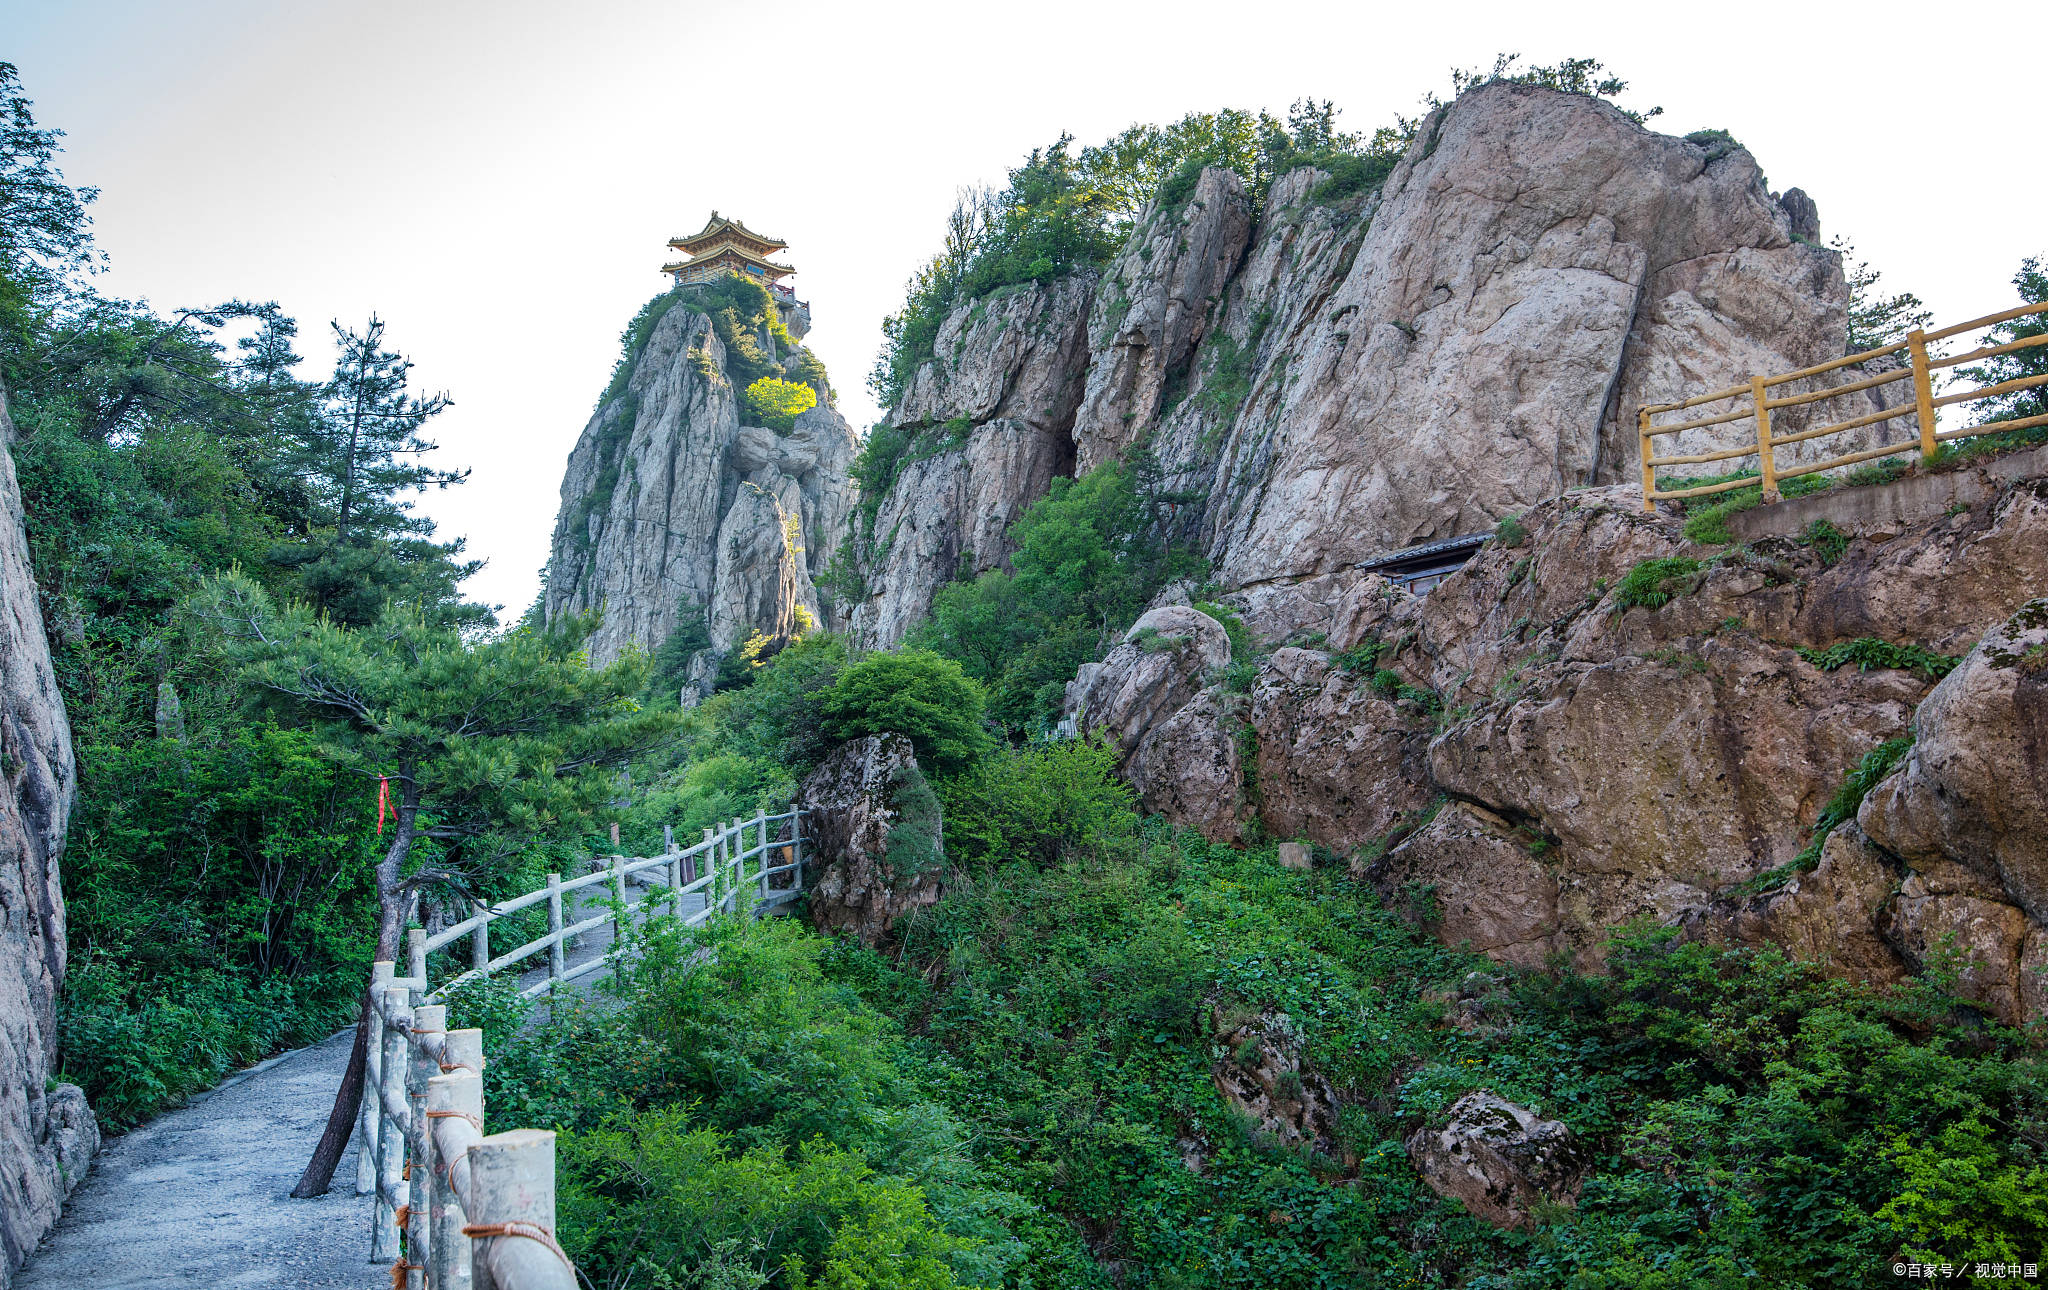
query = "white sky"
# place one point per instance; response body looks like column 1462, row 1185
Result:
column 498, row 180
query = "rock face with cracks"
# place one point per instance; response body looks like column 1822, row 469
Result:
column 47, row 1132
column 677, row 515
column 1500, row 1159
column 876, row 846
column 1327, row 377
column 1548, row 759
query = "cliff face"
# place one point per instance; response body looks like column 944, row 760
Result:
column 47, row 1135
column 1338, row 376
column 990, row 419
column 1551, row 761
column 673, row 510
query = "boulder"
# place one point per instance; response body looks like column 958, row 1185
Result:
column 1500, row 1159
column 47, row 1132
column 1258, row 1069
column 1974, row 789
column 876, row 838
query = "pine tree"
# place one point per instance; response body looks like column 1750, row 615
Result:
column 362, row 459
column 486, row 746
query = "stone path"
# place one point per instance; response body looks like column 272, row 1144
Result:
column 200, row 1196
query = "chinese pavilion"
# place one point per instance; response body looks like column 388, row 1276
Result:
column 725, row 246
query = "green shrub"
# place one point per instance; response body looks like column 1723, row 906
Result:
column 1242, row 647
column 1654, row 583
column 1511, row 532
column 1867, row 652
column 1706, row 518
column 778, row 403
column 1827, row 541
column 911, row 692
column 1088, row 559
column 1044, row 803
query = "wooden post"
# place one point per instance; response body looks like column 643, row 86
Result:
column 1759, row 395
column 391, row 1138
column 455, row 1107
column 622, row 922
column 480, row 939
column 761, row 831
column 1649, row 471
column 369, row 1117
column 416, row 956
column 512, row 1182
column 427, row 1019
column 710, row 855
column 1923, row 390
column 796, row 846
column 555, row 947
column 675, row 869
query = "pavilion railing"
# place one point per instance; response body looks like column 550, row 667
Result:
column 456, row 1206
column 1754, row 402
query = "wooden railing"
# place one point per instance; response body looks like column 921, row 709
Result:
column 477, row 1209
column 1760, row 403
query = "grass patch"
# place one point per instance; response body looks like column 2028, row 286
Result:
column 1867, row 652
column 1708, row 525
column 1653, row 584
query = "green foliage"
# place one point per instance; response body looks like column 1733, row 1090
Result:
column 1571, row 75
column 2032, row 282
column 1060, row 213
column 219, row 909
column 1867, row 652
column 1511, row 532
column 1718, row 143
column 219, row 903
column 1827, row 541
column 1088, row 560
column 670, row 667
column 1045, row 803
column 1876, row 320
column 633, row 343
column 745, row 320
column 1842, row 807
column 487, row 745
column 778, row 403
column 1654, row 583
column 730, row 1108
column 911, row 692
column 1706, row 518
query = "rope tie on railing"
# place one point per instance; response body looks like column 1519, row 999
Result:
column 398, row 1271
column 457, row 1115
column 449, row 1068
column 514, row 1227
column 402, row 1214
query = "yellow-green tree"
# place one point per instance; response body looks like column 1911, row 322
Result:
column 778, row 403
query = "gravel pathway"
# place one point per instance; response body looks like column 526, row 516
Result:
column 201, row 1196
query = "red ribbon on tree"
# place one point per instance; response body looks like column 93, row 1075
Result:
column 383, row 801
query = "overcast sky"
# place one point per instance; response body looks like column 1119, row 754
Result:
column 498, row 180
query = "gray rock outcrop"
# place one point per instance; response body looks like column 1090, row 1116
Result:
column 1500, row 1159
column 987, row 424
column 877, row 838
column 47, row 1132
column 675, row 510
column 1325, row 377
column 1550, row 764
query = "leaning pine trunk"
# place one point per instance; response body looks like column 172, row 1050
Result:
column 319, row 1175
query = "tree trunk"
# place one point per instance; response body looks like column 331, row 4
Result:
column 319, row 1175
column 341, row 1121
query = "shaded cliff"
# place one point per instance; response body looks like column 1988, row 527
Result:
column 47, row 1133
column 677, row 514
column 1324, row 376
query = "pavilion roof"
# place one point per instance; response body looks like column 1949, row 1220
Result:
column 718, row 228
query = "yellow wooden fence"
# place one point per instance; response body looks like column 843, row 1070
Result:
column 1758, row 404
